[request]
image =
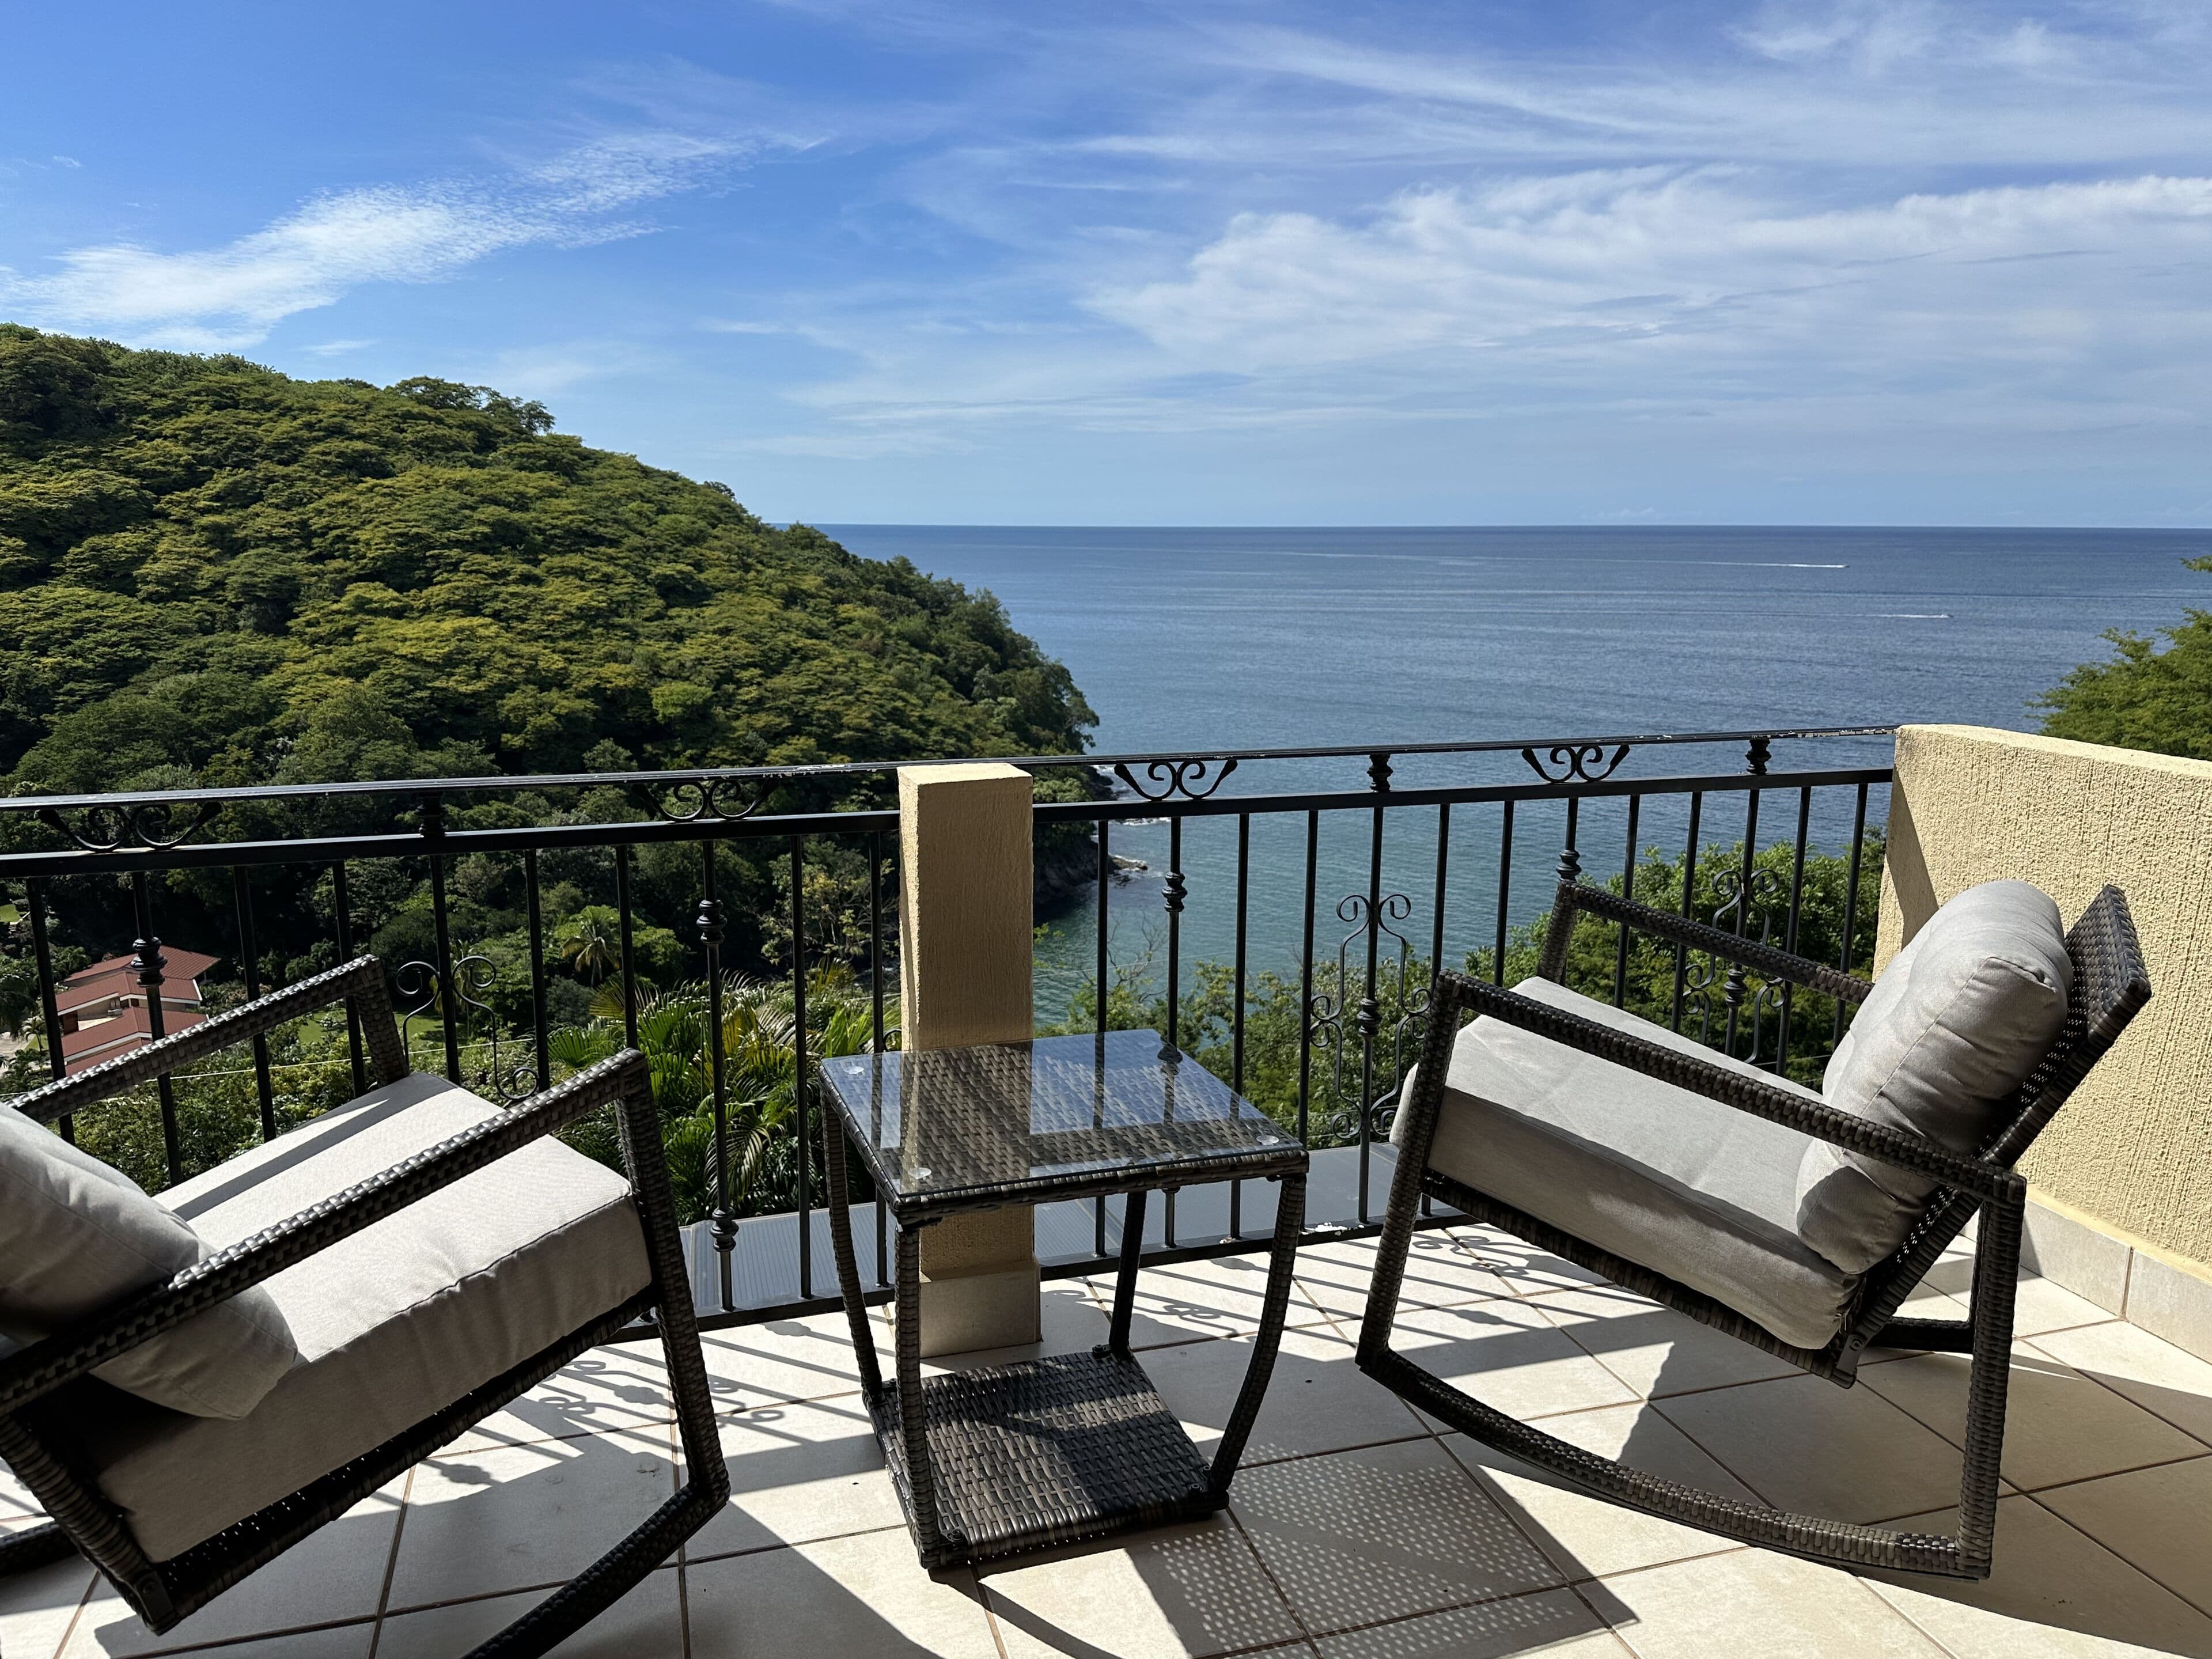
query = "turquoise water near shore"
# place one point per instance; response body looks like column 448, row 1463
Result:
column 1249, row 638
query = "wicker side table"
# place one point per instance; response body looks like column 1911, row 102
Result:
column 1014, row 1458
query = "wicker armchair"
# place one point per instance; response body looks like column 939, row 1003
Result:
column 1602, row 1048
column 444, row 1257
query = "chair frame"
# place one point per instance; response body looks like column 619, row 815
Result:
column 2110, row 985
column 163, row 1593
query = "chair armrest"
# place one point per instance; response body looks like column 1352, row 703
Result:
column 1729, row 1088
column 46, row 1366
column 1762, row 959
column 361, row 979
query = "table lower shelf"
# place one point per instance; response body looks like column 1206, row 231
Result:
column 1045, row 1452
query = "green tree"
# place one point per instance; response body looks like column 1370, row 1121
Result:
column 2141, row 696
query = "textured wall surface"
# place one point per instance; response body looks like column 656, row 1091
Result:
column 2133, row 1147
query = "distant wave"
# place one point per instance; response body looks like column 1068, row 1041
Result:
column 1915, row 615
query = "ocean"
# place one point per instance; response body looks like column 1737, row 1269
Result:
column 1249, row 638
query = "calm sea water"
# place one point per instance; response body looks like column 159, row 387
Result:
column 1196, row 639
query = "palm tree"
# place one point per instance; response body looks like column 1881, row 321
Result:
column 759, row 1073
column 591, row 941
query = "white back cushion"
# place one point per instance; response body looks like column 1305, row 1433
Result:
column 1955, row 1024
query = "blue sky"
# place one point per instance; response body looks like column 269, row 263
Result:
column 1051, row 262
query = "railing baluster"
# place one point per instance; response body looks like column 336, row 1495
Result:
column 147, row 964
column 1371, row 1005
column 1789, row 944
column 628, row 947
column 1305, row 985
column 1852, row 898
column 34, row 901
column 1746, row 891
column 1236, row 1006
column 449, row 999
column 1099, row 984
column 724, row 1223
column 539, row 1025
column 801, row 1083
column 249, row 961
column 341, row 911
column 1628, row 891
column 1689, row 891
column 1504, row 893
column 876, row 1009
column 1435, row 959
column 1174, row 897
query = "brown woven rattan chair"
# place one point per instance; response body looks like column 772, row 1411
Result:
column 139, row 1490
column 2109, row 985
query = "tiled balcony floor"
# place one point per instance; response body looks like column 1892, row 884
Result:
column 1357, row 1532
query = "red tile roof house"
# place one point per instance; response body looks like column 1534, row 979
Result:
column 103, row 1007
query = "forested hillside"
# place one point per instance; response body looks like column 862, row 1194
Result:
column 211, row 572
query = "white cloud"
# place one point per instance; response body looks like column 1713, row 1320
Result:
column 1620, row 266
column 227, row 297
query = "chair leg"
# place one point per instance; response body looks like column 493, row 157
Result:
column 707, row 1488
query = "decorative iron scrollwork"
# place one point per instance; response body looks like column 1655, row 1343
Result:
column 154, row 824
column 1176, row 777
column 721, row 800
column 1575, row 760
column 506, row 1076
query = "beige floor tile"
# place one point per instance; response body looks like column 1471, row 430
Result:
column 332, row 1575
column 1802, row 1444
column 1185, row 1301
column 1654, row 1350
column 865, row 1597
column 618, row 1386
column 808, row 1359
column 2157, row 1376
column 1509, row 1356
column 1383, row 1532
column 2059, row 1425
column 36, row 1608
column 799, row 1472
column 511, row 1517
column 2055, row 1592
column 1555, row 1623
column 1520, row 1266
column 1587, row 1536
column 354, row 1641
column 1440, row 1273
column 2039, row 1305
column 1751, row 1604
column 18, row 1508
column 2159, row 1520
column 1186, row 1590
column 645, row 1623
column 1317, row 1401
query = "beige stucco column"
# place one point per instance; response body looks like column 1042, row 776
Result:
column 966, row 927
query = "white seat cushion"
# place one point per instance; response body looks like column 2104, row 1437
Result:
column 1668, row 1179
column 393, row 1324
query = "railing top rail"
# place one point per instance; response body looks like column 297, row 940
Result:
column 441, row 787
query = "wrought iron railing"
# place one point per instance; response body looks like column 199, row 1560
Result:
column 1465, row 814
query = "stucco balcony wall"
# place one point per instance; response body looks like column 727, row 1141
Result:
column 2125, row 1173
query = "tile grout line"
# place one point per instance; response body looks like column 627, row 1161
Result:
column 390, row 1562
column 1259, row 1560
column 2093, row 1377
column 2185, row 1601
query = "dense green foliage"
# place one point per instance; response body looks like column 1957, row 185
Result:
column 2142, row 697
column 206, row 566
column 1336, row 1070
column 213, row 575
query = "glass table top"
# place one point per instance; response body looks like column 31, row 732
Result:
column 953, row 1128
